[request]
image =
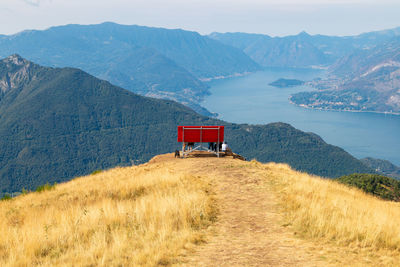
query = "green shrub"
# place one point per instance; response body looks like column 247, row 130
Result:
column 96, row 172
column 24, row 191
column 377, row 185
column 6, row 197
column 45, row 187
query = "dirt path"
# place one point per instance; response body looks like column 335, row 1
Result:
column 248, row 231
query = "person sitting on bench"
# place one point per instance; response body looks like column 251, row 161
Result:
column 224, row 147
column 191, row 146
column 210, row 146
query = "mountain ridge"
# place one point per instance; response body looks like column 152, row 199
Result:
column 146, row 60
column 318, row 50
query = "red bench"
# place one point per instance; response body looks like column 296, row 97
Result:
column 200, row 134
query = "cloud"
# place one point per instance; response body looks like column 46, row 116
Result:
column 32, row 2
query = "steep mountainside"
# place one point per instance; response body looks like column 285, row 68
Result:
column 367, row 80
column 302, row 50
column 57, row 123
column 150, row 61
column 364, row 62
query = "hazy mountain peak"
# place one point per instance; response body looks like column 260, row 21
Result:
column 303, row 33
column 16, row 60
column 18, row 70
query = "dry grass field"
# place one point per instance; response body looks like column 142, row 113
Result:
column 330, row 211
column 347, row 226
column 200, row 211
column 121, row 217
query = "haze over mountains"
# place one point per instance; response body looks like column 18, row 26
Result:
column 302, row 50
column 174, row 64
column 57, row 123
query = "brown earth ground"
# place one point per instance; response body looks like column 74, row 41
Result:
column 250, row 229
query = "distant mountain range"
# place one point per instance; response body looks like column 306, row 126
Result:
column 150, row 61
column 58, row 123
column 302, row 50
column 292, row 51
column 175, row 64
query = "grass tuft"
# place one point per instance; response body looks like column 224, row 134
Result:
column 6, row 197
column 45, row 187
column 96, row 172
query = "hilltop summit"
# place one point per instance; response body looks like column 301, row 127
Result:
column 200, row 212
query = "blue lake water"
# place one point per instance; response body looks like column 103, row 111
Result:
column 249, row 99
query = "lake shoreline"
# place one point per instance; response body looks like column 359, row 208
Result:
column 342, row 110
column 222, row 77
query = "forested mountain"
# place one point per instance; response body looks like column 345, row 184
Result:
column 366, row 80
column 302, row 50
column 383, row 166
column 375, row 184
column 57, row 123
column 150, row 61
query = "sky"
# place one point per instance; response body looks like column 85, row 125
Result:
column 272, row 17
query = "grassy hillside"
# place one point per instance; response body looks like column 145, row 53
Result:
column 121, row 217
column 362, row 228
column 161, row 213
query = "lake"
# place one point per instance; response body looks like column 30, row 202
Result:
column 249, row 99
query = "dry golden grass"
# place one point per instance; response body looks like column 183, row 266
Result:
column 327, row 211
column 129, row 216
